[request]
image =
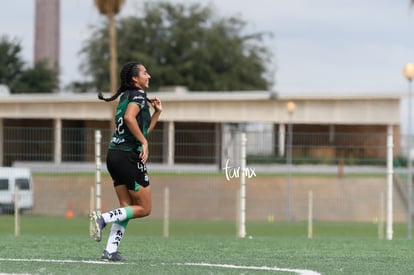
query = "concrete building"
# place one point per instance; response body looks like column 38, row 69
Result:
column 220, row 113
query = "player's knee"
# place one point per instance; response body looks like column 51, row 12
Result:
column 147, row 211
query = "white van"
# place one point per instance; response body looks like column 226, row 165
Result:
column 9, row 178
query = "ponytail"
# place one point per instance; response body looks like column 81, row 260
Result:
column 128, row 71
column 107, row 99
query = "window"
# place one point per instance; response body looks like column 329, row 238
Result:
column 23, row 183
column 4, row 184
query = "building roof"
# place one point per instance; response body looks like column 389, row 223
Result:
column 241, row 106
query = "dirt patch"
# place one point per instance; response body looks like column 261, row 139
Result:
column 213, row 197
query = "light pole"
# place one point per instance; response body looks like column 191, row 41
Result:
column 290, row 106
column 409, row 74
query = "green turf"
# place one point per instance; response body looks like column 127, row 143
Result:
column 337, row 248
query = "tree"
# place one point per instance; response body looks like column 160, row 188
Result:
column 39, row 79
column 20, row 78
column 11, row 64
column 185, row 45
column 110, row 8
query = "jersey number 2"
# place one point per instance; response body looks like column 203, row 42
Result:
column 120, row 126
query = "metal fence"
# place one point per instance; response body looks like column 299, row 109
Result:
column 207, row 146
column 346, row 173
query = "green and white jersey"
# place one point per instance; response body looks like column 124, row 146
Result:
column 122, row 139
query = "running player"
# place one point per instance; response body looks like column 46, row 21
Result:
column 126, row 157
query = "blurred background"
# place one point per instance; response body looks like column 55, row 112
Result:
column 322, row 91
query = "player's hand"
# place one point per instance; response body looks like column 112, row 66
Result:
column 156, row 103
column 144, row 153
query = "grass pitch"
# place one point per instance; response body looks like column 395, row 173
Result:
column 55, row 245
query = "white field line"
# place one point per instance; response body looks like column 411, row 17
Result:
column 57, row 261
column 298, row 271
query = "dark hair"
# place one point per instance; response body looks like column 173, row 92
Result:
column 128, row 70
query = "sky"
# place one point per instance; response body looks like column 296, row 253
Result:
column 318, row 46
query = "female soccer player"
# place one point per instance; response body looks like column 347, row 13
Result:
column 127, row 155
